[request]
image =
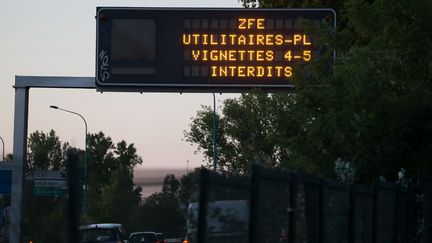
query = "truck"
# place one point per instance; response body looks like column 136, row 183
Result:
column 227, row 221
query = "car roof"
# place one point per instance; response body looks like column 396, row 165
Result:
column 100, row 226
column 144, row 232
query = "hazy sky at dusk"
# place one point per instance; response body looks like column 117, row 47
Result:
column 57, row 38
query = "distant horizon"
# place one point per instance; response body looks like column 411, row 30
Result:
column 151, row 180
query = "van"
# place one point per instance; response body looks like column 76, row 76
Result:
column 227, row 221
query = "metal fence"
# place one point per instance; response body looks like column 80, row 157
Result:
column 214, row 224
column 425, row 228
column 295, row 207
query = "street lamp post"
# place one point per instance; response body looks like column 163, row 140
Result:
column 85, row 159
column 3, row 148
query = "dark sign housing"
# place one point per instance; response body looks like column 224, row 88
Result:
column 216, row 50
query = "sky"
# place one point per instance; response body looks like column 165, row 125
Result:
column 57, row 38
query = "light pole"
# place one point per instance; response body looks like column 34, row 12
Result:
column 85, row 158
column 214, row 133
column 3, row 148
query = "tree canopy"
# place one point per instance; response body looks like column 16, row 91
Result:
column 112, row 194
column 372, row 110
column 45, row 151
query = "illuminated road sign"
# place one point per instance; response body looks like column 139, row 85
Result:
column 205, row 49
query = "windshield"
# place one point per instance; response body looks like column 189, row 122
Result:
column 143, row 237
column 160, row 237
column 97, row 235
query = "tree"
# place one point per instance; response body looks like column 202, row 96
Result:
column 9, row 157
column 374, row 108
column 46, row 152
column 119, row 200
column 253, row 128
column 126, row 155
column 336, row 4
column 44, row 214
column 189, row 187
column 100, row 161
column 171, row 185
column 112, row 194
column 163, row 212
column 110, row 169
column 372, row 111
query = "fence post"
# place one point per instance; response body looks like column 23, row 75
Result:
column 203, row 200
column 426, row 235
column 412, row 215
column 320, row 210
column 374, row 211
column 351, row 196
column 396, row 203
column 293, row 206
column 254, row 204
column 73, row 199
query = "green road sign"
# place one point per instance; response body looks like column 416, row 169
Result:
column 44, row 191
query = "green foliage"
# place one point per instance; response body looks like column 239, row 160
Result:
column 100, row 160
column 43, row 216
column 252, row 128
column 189, row 187
column 9, row 157
column 335, row 4
column 119, row 200
column 171, row 185
column 126, row 155
column 45, row 152
column 112, row 194
column 373, row 110
column 163, row 212
column 166, row 211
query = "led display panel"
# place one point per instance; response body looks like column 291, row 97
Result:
column 209, row 50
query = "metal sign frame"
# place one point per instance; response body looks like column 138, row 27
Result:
column 22, row 89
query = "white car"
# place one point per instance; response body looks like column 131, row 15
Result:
column 106, row 233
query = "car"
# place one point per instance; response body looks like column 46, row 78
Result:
column 160, row 237
column 143, row 237
column 106, row 233
column 175, row 240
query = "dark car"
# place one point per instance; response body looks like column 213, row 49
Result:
column 160, row 238
column 106, row 233
column 143, row 237
column 174, row 240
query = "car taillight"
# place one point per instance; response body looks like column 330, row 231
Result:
column 185, row 241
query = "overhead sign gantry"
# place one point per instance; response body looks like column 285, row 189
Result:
column 171, row 49
column 205, row 49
